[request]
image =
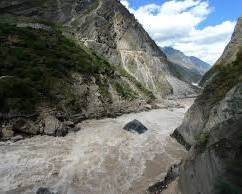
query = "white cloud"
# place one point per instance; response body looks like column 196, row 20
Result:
column 175, row 23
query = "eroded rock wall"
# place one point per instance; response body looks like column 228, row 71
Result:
column 108, row 28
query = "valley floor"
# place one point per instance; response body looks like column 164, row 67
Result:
column 101, row 158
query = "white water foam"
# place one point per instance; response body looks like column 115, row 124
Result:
column 102, row 158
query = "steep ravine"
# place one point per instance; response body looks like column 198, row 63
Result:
column 66, row 61
column 212, row 130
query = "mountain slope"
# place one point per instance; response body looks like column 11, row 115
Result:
column 190, row 68
column 44, row 74
column 107, row 27
column 200, row 64
column 212, row 127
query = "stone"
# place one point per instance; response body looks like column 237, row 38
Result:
column 74, row 129
column 79, row 117
column 52, row 126
column 156, row 106
column 61, row 132
column 69, row 124
column 34, row 26
column 60, row 116
column 172, row 174
column 43, row 190
column 25, row 126
column 148, row 107
column 17, row 138
column 135, row 126
column 7, row 132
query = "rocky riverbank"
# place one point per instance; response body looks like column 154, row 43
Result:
column 15, row 127
column 171, row 175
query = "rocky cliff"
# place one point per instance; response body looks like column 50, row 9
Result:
column 229, row 55
column 107, row 27
column 63, row 61
column 212, row 128
column 48, row 83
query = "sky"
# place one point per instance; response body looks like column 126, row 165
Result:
column 200, row 28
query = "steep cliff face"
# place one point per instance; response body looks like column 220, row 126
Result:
column 53, row 72
column 48, row 82
column 220, row 99
column 229, row 55
column 107, row 27
column 212, row 128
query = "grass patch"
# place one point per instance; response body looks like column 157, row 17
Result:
column 125, row 91
column 104, row 88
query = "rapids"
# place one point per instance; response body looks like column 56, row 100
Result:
column 102, row 158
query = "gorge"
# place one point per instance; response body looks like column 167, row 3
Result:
column 101, row 158
column 73, row 73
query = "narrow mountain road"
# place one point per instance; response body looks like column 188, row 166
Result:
column 101, row 158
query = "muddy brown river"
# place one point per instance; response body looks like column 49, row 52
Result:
column 102, row 158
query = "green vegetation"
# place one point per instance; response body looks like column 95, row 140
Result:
column 231, row 183
column 16, row 94
column 38, row 64
column 104, row 88
column 225, row 187
column 202, row 139
column 225, row 79
column 125, row 91
column 122, row 72
column 208, row 74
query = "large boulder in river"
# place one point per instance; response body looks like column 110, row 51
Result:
column 135, row 126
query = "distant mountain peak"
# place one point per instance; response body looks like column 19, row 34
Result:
column 200, row 63
column 191, row 68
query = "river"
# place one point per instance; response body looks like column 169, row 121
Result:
column 102, row 158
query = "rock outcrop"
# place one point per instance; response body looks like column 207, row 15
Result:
column 108, row 28
column 212, row 128
column 135, row 126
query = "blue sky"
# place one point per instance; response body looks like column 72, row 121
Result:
column 223, row 9
column 197, row 27
column 227, row 10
